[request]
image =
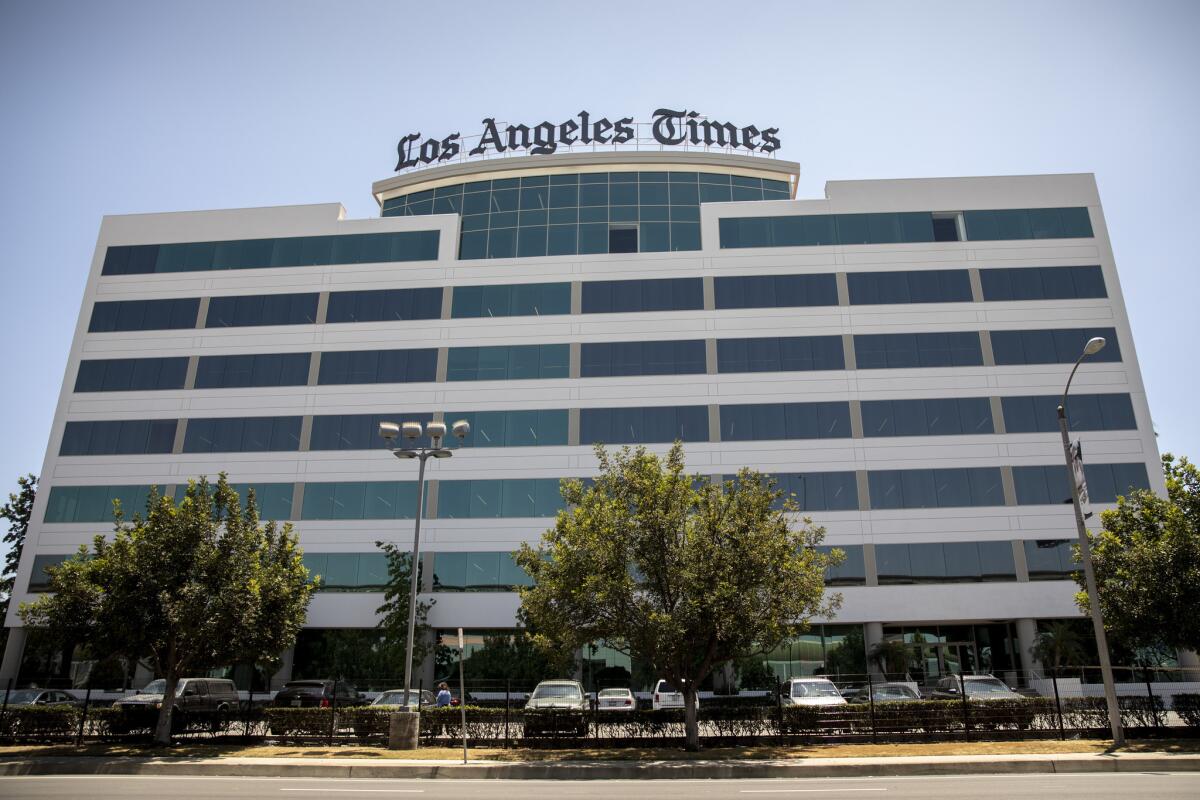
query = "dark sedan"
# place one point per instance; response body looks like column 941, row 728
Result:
column 886, row 693
column 42, row 697
column 318, row 694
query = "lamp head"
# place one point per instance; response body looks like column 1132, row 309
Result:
column 1094, row 345
column 436, row 432
column 389, row 430
column 460, row 429
column 411, row 430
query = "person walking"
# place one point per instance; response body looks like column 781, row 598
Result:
column 443, row 695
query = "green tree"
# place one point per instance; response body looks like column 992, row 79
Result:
column 849, row 656
column 1060, row 645
column 16, row 511
column 683, row 574
column 1147, row 562
column 198, row 585
column 393, row 619
column 753, row 672
column 891, row 655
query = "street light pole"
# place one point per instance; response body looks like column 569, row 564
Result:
column 1093, row 346
column 412, row 431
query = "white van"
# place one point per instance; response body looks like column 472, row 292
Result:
column 812, row 692
column 667, row 696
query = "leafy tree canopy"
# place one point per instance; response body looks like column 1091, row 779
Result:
column 198, row 585
column 1147, row 562
column 16, row 512
column 681, row 573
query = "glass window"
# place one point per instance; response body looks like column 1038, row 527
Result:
column 900, row 350
column 780, row 354
column 1054, row 346
column 768, row 421
column 643, row 425
column 357, row 431
column 360, row 500
column 510, row 497
column 612, row 359
column 940, row 417
column 531, row 299
column 93, row 503
column 944, row 562
column 775, row 291
column 1085, row 412
column 268, row 309
column 669, row 294
column 118, row 437
column 385, row 305
column 131, row 374
column 1049, row 559
column 144, row 315
column 508, row 362
column 935, row 488
column 852, row 570
column 242, row 435
column 1043, row 283
column 264, row 369
column 927, row 286
column 1041, row 223
column 513, row 428
column 378, row 366
column 820, row 491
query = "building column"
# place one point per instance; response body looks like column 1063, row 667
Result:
column 13, row 650
column 1027, row 635
column 872, row 635
column 1189, row 661
column 284, row 673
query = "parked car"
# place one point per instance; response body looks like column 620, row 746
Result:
column 977, row 687
column 558, row 706
column 209, row 701
column 395, row 697
column 811, row 692
column 886, row 693
column 42, row 697
column 321, row 694
column 615, row 700
column 665, row 695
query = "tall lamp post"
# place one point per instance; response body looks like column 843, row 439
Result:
column 1093, row 346
column 410, row 432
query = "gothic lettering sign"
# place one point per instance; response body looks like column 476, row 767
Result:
column 674, row 127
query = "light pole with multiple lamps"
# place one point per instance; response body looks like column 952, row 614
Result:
column 1093, row 346
column 410, row 432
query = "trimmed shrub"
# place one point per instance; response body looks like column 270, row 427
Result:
column 39, row 723
column 1187, row 706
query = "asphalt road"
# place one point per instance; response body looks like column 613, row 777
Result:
column 1100, row 786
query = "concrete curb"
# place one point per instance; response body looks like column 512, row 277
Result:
column 605, row 770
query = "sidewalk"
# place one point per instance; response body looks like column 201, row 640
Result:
column 602, row 770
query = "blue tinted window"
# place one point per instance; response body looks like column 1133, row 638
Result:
column 1043, row 283
column 934, row 417
column 516, row 300
column 509, row 497
column 508, row 362
column 780, row 354
column 348, row 572
column 378, row 366
column 935, row 488
column 1048, row 485
column 513, row 428
column 611, row 359
column 1052, row 346
column 1026, row 223
column 274, row 500
column 775, row 291
column 384, row 305
column 821, row 491
column 926, row 286
column 94, row 503
column 360, row 500
column 131, row 374
column 668, row 294
column 263, row 309
column 826, row 229
column 296, row 251
column 944, row 562
column 357, row 431
column 263, row 369
column 39, row 580
column 242, row 435
column 1085, row 412
column 767, row 421
column 144, row 315
column 643, row 425
column 900, row 350
column 477, row 572
column 1050, row 559
column 119, row 437
column 852, row 571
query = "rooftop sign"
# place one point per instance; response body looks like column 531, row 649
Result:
column 669, row 128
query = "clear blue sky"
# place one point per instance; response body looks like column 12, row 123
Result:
column 123, row 107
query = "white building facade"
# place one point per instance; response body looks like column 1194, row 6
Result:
column 893, row 351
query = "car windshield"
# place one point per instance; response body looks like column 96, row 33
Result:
column 666, row 688
column 556, row 691
column 615, row 693
column 987, row 686
column 395, row 698
column 893, row 692
column 159, row 686
column 816, row 689
column 24, row 696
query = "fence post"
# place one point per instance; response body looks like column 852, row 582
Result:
column 779, row 707
column 87, row 698
column 333, row 713
column 7, row 689
column 1150, row 697
column 871, row 698
column 1058, row 704
column 249, row 707
column 507, row 700
column 962, row 683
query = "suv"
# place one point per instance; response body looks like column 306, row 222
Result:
column 320, row 694
column 666, row 695
column 977, row 687
column 557, row 706
column 197, row 700
column 811, row 692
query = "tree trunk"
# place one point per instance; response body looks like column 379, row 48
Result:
column 162, row 731
column 690, row 723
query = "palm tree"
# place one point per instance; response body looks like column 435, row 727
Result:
column 1058, row 646
column 891, row 653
